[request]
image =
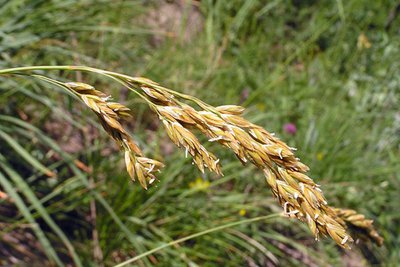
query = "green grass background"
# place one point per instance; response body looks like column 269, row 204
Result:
column 298, row 62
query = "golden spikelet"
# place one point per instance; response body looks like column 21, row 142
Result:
column 141, row 167
column 360, row 226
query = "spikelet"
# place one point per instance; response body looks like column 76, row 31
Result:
column 110, row 115
column 359, row 225
column 230, row 109
column 141, row 167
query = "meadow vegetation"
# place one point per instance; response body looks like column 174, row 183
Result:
column 329, row 69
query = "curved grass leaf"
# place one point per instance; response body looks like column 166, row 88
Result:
column 47, row 247
column 183, row 239
column 25, row 154
column 132, row 238
column 26, row 190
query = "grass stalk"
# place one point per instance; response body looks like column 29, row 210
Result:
column 205, row 232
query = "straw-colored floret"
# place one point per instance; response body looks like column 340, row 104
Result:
column 359, row 225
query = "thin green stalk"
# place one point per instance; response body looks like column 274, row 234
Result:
column 109, row 74
column 64, row 67
column 120, row 78
column 183, row 239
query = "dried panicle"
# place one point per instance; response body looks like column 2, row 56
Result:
column 110, row 115
column 359, row 225
column 297, row 193
column 285, row 174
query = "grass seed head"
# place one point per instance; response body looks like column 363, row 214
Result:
column 285, row 174
column 298, row 194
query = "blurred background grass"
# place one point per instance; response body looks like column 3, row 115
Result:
column 331, row 68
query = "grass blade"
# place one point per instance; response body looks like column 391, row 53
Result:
column 47, row 247
column 70, row 161
column 183, row 239
column 25, row 154
column 25, row 189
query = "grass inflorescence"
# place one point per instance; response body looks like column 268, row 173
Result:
column 286, row 175
column 330, row 70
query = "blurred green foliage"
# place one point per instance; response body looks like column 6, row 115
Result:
column 330, row 67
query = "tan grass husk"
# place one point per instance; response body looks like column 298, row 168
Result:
column 360, row 226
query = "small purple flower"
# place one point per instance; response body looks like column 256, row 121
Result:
column 244, row 95
column 290, row 128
